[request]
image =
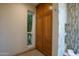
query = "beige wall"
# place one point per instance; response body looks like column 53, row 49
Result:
column 13, row 28
column 55, row 30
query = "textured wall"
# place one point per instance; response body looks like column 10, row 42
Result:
column 72, row 27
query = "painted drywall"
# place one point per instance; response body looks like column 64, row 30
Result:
column 13, row 28
column 55, row 27
column 59, row 20
column 62, row 20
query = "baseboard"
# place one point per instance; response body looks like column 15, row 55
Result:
column 24, row 52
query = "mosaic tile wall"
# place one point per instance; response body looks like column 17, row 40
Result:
column 72, row 27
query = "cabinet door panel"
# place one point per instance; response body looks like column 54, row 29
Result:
column 39, row 33
column 47, row 34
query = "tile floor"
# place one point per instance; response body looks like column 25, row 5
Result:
column 34, row 52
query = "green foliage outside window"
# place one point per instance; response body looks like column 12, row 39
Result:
column 29, row 27
column 29, row 39
column 29, row 23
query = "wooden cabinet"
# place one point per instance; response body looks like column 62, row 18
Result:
column 44, row 28
column 39, row 34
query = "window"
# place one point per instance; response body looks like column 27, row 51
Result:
column 29, row 27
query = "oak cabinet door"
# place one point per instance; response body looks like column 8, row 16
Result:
column 44, row 28
column 39, row 33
